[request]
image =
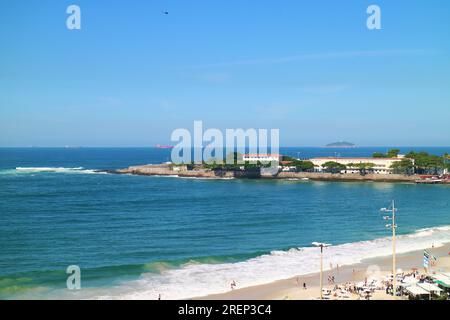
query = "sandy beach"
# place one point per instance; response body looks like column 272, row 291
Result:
column 292, row 289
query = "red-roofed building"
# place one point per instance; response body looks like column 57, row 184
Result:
column 254, row 157
column 381, row 165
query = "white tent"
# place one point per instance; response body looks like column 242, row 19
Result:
column 440, row 276
column 410, row 280
column 416, row 290
column 442, row 280
column 430, row 287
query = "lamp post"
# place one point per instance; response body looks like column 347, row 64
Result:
column 392, row 226
column 321, row 245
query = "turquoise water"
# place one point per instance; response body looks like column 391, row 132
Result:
column 137, row 237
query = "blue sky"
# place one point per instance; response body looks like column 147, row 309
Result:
column 312, row 69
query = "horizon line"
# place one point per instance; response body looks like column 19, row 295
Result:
column 155, row 147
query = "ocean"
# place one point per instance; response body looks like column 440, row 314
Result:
column 138, row 237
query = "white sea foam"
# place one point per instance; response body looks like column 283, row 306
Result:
column 57, row 170
column 193, row 280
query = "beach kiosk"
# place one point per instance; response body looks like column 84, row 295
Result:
column 433, row 289
column 442, row 281
column 417, row 293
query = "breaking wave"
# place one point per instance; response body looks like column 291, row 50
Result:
column 200, row 279
column 57, row 170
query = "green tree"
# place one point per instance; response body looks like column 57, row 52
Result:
column 248, row 165
column 304, row 165
column 378, row 155
column 427, row 164
column 234, row 157
column 363, row 167
column 405, row 166
column 233, row 161
column 333, row 167
column 393, row 153
column 446, row 157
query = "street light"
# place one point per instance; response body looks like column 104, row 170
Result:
column 392, row 226
column 321, row 245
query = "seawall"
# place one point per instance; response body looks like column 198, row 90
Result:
column 168, row 170
column 347, row 177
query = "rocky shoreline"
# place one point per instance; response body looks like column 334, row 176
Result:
column 182, row 171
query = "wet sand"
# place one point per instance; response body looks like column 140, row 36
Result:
column 293, row 288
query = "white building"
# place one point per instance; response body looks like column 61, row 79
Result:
column 262, row 157
column 381, row 165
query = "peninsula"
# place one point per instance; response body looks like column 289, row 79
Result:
column 390, row 167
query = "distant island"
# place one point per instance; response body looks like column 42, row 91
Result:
column 341, row 144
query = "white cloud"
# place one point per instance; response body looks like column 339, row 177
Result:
column 313, row 56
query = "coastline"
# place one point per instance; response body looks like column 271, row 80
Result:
column 168, row 170
column 149, row 199
column 291, row 288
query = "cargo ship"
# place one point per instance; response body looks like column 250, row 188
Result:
column 163, row 147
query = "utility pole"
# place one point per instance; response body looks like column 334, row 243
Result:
column 392, row 226
column 321, row 245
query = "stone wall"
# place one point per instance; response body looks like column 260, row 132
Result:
column 347, row 176
column 166, row 170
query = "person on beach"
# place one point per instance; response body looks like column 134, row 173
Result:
column 233, row 285
column 304, row 285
